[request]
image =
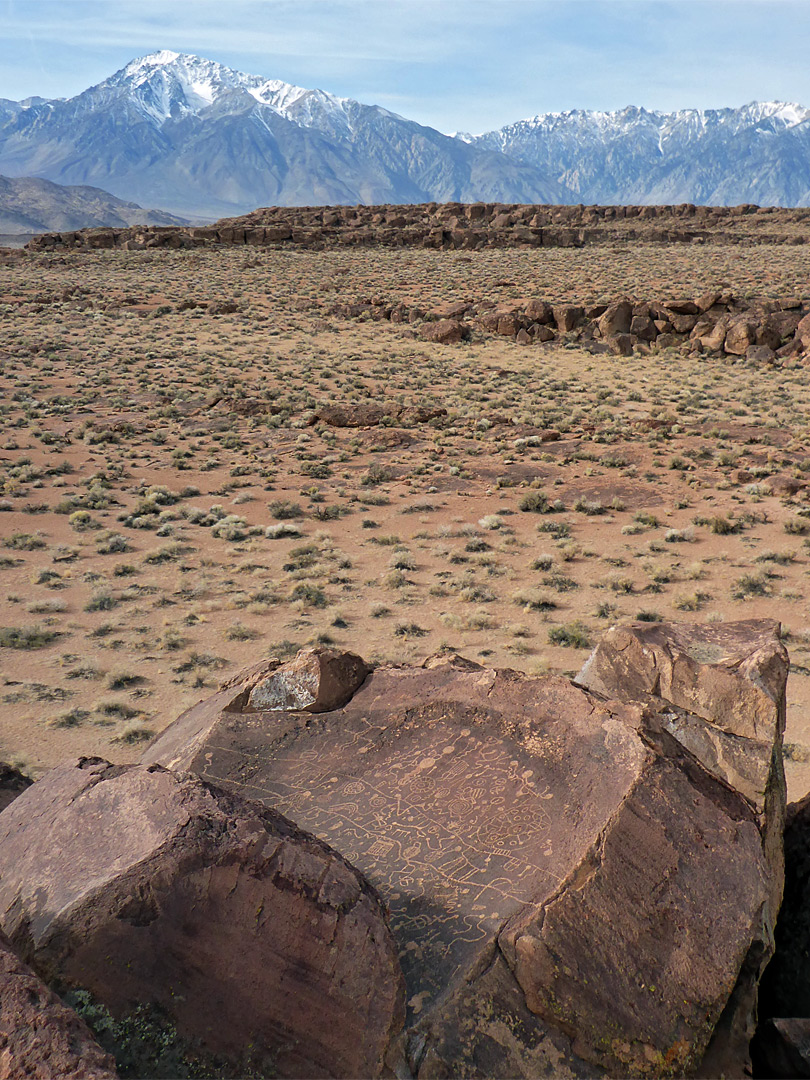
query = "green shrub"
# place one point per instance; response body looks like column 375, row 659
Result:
column 574, row 636
column 282, row 510
column 24, row 541
column 534, row 502
column 26, row 637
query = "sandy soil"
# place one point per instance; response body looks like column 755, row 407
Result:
column 169, row 510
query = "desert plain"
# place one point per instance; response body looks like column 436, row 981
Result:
column 173, row 506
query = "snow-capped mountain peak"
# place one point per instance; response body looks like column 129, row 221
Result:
column 168, row 84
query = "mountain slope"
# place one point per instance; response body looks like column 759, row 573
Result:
column 198, row 138
column 759, row 153
column 32, row 205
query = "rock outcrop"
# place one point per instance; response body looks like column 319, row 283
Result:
column 719, row 691
column 40, row 1037
column 759, row 329
column 258, row 941
column 549, row 854
column 459, row 226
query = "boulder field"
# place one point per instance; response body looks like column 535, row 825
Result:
column 447, row 870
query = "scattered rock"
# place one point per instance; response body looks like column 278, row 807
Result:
column 352, row 416
column 683, row 307
column 258, row 941
column 445, row 331
column 223, row 307
column 541, row 333
column 40, row 1037
column 803, row 331
column 760, row 354
column 621, row 344
column 317, row 680
column 712, row 335
column 669, row 341
column 643, row 328
column 369, row 415
column 742, row 332
column 539, row 311
column 568, row 317
column 616, row 319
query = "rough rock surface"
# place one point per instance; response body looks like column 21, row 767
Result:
column 453, row 226
column 352, row 416
column 317, row 680
column 40, row 1037
column 256, row 939
column 12, row 784
column 720, row 692
column 548, row 856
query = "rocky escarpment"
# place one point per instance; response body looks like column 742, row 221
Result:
column 460, row 226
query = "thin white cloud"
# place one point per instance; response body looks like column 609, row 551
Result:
column 455, row 64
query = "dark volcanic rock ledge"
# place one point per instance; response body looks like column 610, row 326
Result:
column 467, row 226
column 575, row 885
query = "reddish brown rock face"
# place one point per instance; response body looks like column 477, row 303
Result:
column 257, row 940
column 729, row 679
column 720, row 692
column 538, row 846
column 40, row 1038
column 445, row 331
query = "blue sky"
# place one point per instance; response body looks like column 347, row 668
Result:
column 454, row 64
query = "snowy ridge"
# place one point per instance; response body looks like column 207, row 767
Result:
column 758, row 153
column 167, row 85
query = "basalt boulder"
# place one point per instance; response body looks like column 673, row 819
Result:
column 445, row 331
column 576, row 886
column 719, row 691
column 262, row 945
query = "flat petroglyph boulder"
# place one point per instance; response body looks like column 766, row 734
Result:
column 261, row 944
column 40, row 1037
column 549, row 856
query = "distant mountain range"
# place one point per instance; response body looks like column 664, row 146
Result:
column 31, row 205
column 200, row 139
column 759, row 153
